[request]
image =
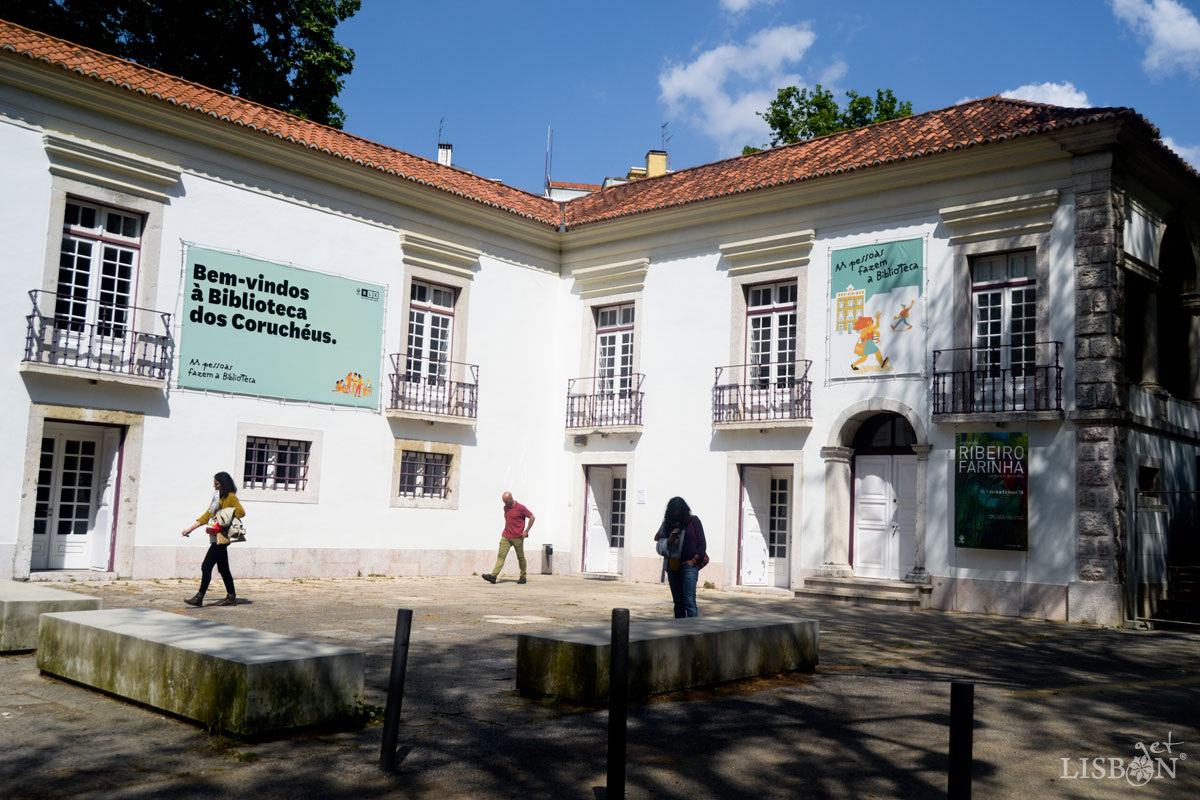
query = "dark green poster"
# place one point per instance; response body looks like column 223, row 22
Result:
column 991, row 491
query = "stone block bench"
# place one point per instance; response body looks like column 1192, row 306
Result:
column 233, row 679
column 664, row 655
column 22, row 603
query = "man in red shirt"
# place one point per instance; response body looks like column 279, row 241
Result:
column 515, row 531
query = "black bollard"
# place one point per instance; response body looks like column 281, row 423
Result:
column 618, row 703
column 962, row 732
column 391, row 712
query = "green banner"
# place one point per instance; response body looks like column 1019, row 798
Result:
column 874, row 311
column 991, row 491
column 259, row 328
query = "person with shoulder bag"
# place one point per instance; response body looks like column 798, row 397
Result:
column 680, row 541
column 224, row 504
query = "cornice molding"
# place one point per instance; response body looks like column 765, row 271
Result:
column 113, row 169
column 1007, row 216
column 438, row 254
column 768, row 253
column 615, row 278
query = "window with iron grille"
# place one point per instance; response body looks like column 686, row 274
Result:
column 424, row 474
column 276, row 464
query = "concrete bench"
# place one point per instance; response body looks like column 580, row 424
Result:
column 22, row 603
column 234, row 679
column 665, row 655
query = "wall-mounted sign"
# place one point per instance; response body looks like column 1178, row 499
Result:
column 260, row 328
column 874, row 291
column 991, row 490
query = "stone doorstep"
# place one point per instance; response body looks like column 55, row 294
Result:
column 665, row 655
column 236, row 679
column 21, row 606
column 867, row 592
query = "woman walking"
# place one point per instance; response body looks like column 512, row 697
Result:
column 680, row 541
column 224, row 496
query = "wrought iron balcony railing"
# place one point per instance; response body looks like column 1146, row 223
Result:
column 984, row 380
column 429, row 387
column 605, row 401
column 68, row 331
column 775, row 391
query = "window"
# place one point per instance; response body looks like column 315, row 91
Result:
column 771, row 333
column 97, row 270
column 276, row 464
column 1004, row 299
column 430, row 332
column 425, row 474
column 614, row 348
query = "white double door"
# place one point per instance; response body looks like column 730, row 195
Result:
column 73, row 513
column 765, row 541
column 885, row 515
column 604, row 529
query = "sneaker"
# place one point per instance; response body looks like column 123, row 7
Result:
column 488, row 577
column 522, row 579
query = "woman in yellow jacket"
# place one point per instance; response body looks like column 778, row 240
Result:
column 224, row 496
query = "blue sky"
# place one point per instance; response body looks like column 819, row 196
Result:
column 606, row 76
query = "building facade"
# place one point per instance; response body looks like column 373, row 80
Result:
column 959, row 350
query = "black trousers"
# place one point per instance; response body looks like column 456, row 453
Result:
column 218, row 555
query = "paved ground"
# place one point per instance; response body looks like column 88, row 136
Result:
column 872, row 722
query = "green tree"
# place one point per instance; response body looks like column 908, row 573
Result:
column 798, row 114
column 281, row 53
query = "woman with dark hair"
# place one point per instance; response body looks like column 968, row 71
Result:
column 224, row 496
column 680, row 541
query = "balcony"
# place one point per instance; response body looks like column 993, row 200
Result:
column 73, row 336
column 777, row 394
column 428, row 391
column 605, row 403
column 1013, row 382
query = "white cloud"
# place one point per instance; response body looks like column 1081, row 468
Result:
column 1170, row 32
column 722, row 88
column 1190, row 154
column 738, row 6
column 1055, row 94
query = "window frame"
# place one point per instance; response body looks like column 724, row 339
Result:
column 1008, row 290
column 311, row 493
column 448, row 502
column 780, row 371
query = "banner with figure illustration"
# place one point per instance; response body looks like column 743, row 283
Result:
column 255, row 327
column 874, row 294
column 991, row 490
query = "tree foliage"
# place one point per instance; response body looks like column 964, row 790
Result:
column 798, row 114
column 281, row 53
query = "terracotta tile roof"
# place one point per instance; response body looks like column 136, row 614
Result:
column 128, row 76
column 588, row 187
column 972, row 124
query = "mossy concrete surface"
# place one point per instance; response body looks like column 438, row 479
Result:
column 665, row 655
column 22, row 603
column 234, row 679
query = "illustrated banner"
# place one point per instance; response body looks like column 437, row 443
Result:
column 874, row 291
column 991, row 491
column 260, row 328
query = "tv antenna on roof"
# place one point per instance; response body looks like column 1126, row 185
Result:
column 665, row 135
column 549, row 155
column 441, row 122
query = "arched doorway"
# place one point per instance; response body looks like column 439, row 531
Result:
column 884, row 500
column 840, row 459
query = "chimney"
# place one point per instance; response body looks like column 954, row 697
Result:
column 445, row 149
column 656, row 163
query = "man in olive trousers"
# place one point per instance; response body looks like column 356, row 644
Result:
column 513, row 536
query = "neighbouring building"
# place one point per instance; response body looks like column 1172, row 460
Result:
column 958, row 351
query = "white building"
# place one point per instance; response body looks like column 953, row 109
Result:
column 377, row 346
